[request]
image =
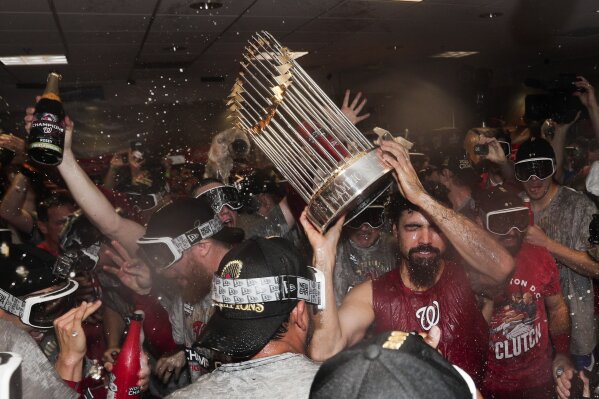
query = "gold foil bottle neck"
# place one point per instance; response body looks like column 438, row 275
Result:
column 51, row 91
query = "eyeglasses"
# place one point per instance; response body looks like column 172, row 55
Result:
column 163, row 252
column 40, row 311
column 501, row 222
column 221, row 196
column 373, row 216
column 541, row 168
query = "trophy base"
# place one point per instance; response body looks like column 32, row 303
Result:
column 352, row 189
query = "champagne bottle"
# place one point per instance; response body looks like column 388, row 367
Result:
column 46, row 138
column 125, row 373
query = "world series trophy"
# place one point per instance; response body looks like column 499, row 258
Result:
column 324, row 157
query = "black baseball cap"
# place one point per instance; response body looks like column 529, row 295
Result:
column 182, row 215
column 461, row 166
column 535, row 147
column 27, row 270
column 392, row 365
column 241, row 331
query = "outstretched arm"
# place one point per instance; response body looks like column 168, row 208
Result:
column 474, row 245
column 336, row 329
column 91, row 200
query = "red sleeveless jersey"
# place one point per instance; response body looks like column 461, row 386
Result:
column 450, row 304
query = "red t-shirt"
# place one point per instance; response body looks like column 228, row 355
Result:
column 450, row 304
column 520, row 352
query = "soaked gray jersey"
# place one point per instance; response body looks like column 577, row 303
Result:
column 566, row 220
column 38, row 375
column 187, row 323
column 282, row 376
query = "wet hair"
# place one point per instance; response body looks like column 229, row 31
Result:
column 398, row 203
column 54, row 200
column 281, row 331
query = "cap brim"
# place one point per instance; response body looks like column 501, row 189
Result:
column 230, row 235
column 240, row 338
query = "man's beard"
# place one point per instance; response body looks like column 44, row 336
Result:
column 423, row 270
column 513, row 250
column 198, row 286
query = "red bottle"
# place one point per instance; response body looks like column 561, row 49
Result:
column 125, row 373
column 531, row 214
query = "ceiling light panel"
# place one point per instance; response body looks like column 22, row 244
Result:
column 34, row 60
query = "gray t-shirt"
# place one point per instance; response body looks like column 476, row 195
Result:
column 38, row 375
column 286, row 376
column 187, row 322
column 354, row 265
column 566, row 220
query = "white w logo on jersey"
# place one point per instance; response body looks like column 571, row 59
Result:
column 429, row 316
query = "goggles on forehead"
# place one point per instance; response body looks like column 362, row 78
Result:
column 506, row 147
column 373, row 216
column 501, row 222
column 163, row 252
column 270, row 289
column 40, row 310
column 145, row 201
column 541, row 168
column 221, row 196
column 77, row 260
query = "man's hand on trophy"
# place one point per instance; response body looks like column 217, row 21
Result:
column 397, row 156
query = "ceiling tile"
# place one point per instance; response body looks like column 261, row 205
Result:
column 142, row 7
column 103, row 23
column 32, row 22
column 181, row 7
column 184, row 23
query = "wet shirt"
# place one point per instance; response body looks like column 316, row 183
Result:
column 566, row 220
column 38, row 375
column 449, row 304
column 188, row 321
column 519, row 332
column 273, row 225
column 354, row 265
column 287, row 375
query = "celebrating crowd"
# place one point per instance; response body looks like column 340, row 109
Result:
column 472, row 276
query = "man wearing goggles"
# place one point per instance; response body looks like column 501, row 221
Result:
column 522, row 306
column 365, row 251
column 224, row 200
column 561, row 218
column 34, row 300
column 185, row 241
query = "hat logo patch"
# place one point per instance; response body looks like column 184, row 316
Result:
column 395, row 340
column 232, row 269
column 193, row 236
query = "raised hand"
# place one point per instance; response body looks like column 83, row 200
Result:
column 587, row 93
column 132, row 272
column 71, row 340
column 323, row 245
column 352, row 112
